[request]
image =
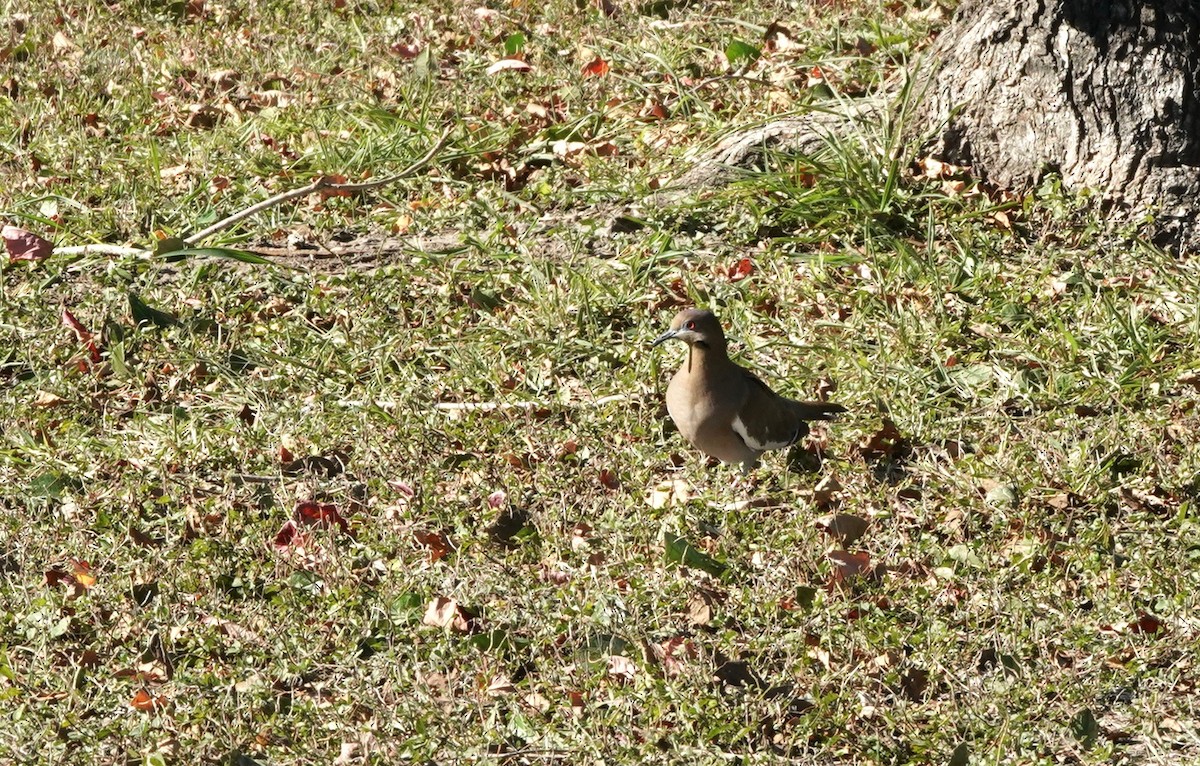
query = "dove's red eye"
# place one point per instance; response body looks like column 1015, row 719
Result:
column 691, row 325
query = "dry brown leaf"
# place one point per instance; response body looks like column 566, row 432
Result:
column 826, row 491
column 500, row 685
column 668, row 494
column 676, row 654
column 848, row 565
column 699, row 610
column 446, row 613
column 621, row 668
column 846, row 528
column 887, row 442
column 47, row 399
column 436, row 544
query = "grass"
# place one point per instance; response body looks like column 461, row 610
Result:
column 503, row 590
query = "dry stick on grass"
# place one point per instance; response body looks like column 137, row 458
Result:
column 321, row 184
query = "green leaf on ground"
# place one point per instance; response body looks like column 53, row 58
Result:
column 680, row 551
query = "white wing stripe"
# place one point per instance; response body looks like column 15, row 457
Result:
column 753, row 443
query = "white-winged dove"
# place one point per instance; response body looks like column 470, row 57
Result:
column 723, row 409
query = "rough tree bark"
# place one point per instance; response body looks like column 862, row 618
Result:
column 1103, row 92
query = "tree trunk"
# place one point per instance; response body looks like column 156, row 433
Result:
column 1102, row 92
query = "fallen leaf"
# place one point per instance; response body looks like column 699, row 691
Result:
column 81, row 333
column 669, row 493
column 581, row 535
column 446, row 613
column 435, row 543
column 406, row 50
column 777, row 37
column 844, row 527
column 144, row 702
column 346, row 755
column 740, row 51
column 621, row 668
column 743, row 268
column 509, row 65
column 567, row 149
column 82, row 572
column 676, row 654
column 47, row 399
column 609, row 480
column 75, row 575
column 682, row 552
column 500, row 685
column 597, row 67
column 848, row 565
column 1147, row 624
column 699, row 610
column 62, row 44
column 25, row 246
column 887, row 442
column 824, row 492
column 404, row 489
column 288, row 535
column 320, row 514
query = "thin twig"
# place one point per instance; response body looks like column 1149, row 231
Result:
column 459, row 407
column 101, row 248
column 321, row 184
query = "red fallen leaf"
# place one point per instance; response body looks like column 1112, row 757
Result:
column 406, row 51
column 436, row 543
column 654, row 111
column 285, row 454
column 72, row 323
column 1147, row 624
column 597, row 67
column 333, row 178
column 575, row 698
column 740, row 270
column 82, row 333
column 549, row 574
column 320, row 514
column 144, row 702
column 57, row 575
column 847, row 565
column 25, row 246
column 609, row 480
column 287, row 534
column 403, row 488
column 247, row 415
